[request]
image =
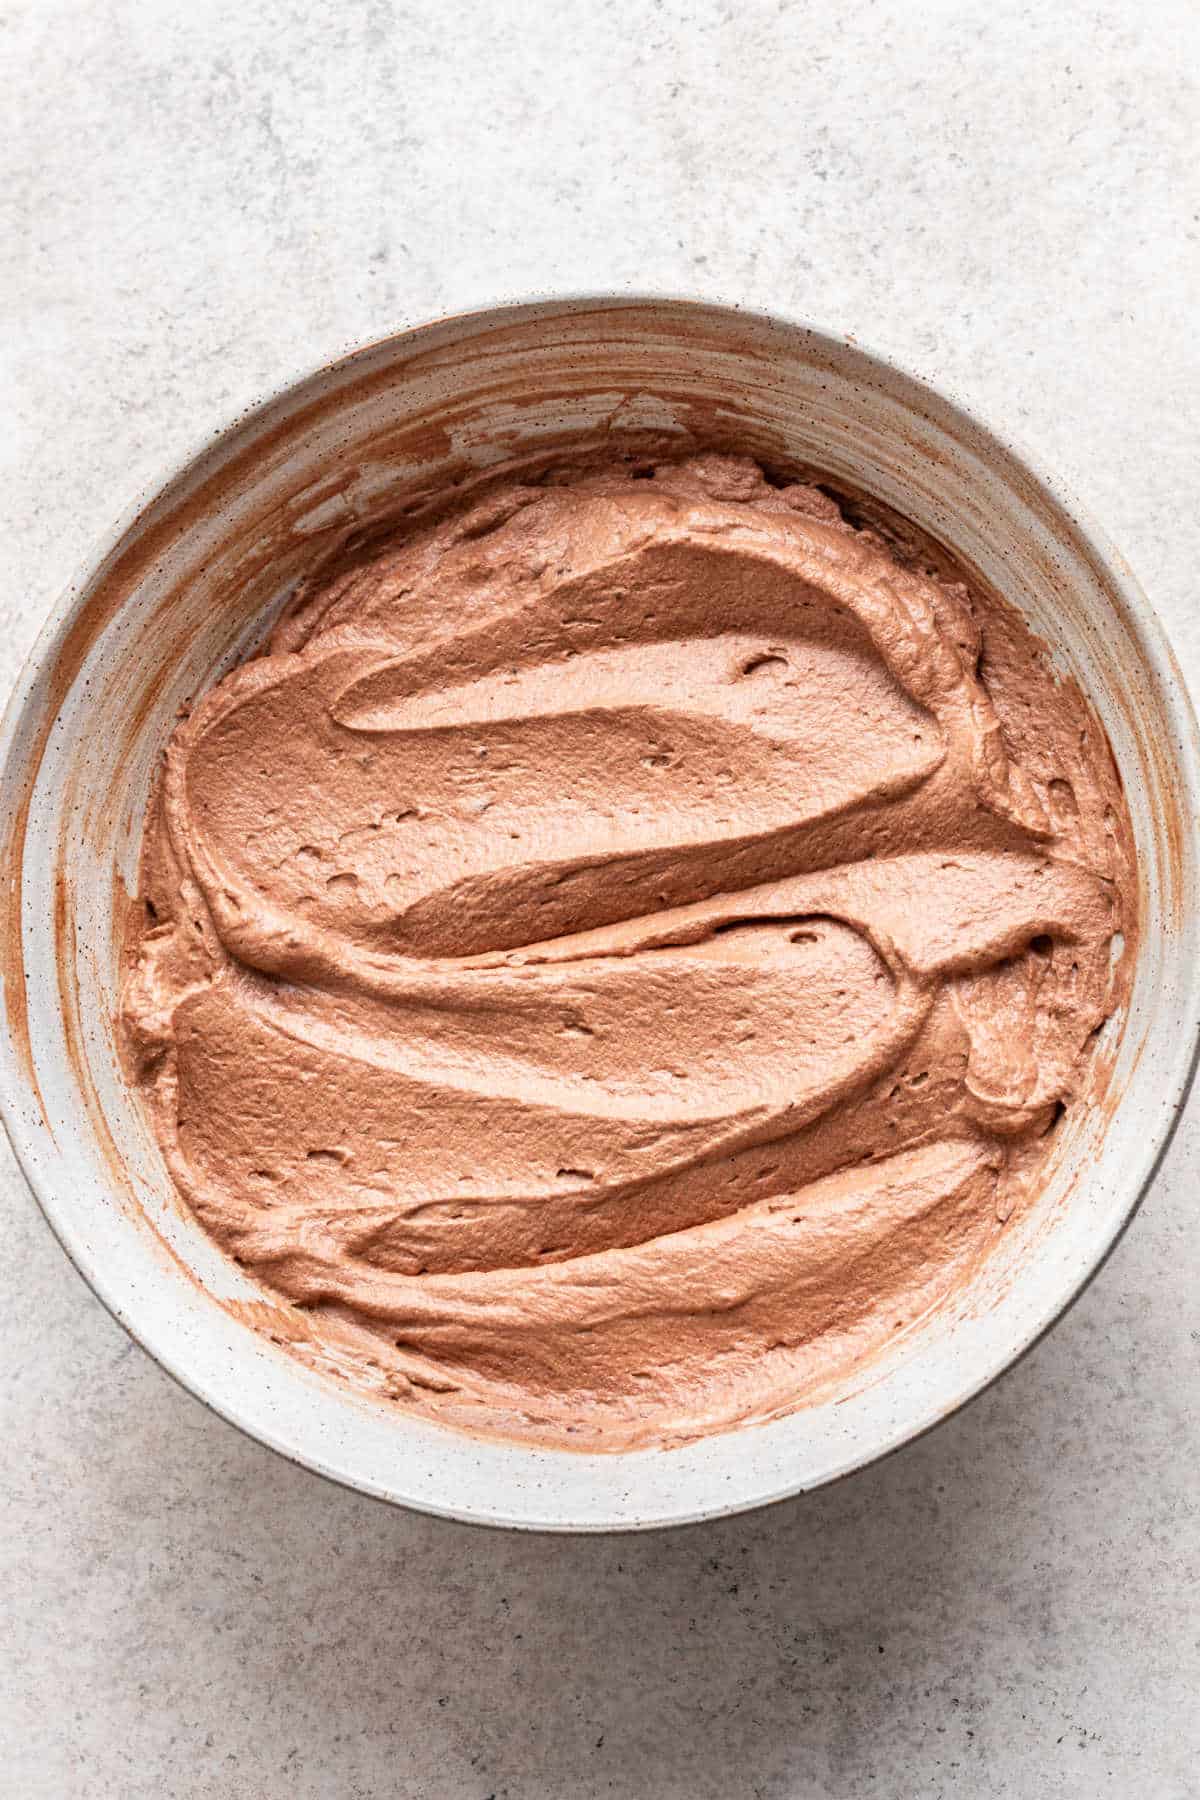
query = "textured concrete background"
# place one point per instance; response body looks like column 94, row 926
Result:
column 202, row 201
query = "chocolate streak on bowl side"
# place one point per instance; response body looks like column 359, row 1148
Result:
column 476, row 1106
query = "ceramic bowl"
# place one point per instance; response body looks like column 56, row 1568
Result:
column 186, row 584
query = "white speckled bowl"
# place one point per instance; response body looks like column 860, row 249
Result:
column 182, row 588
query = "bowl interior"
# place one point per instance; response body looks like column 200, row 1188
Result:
column 189, row 586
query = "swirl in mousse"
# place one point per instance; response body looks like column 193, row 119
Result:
column 621, row 953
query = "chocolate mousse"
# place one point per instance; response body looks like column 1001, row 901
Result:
column 622, row 954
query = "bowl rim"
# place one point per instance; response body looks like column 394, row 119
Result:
column 1154, row 648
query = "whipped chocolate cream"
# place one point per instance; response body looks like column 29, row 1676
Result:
column 621, row 954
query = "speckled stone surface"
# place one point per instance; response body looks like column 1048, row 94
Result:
column 200, row 202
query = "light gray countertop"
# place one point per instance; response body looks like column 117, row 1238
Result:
column 202, row 201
